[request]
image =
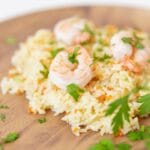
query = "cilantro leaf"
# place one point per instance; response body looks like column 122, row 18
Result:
column 45, row 71
column 72, row 56
column 75, row 91
column 104, row 144
column 2, row 117
column 145, row 105
column 11, row 137
column 122, row 107
column 127, row 40
column 88, row 29
column 101, row 59
column 42, row 120
column 55, row 51
column 143, row 133
column 124, row 146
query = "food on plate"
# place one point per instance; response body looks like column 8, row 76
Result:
column 98, row 77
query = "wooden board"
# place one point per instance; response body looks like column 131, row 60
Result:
column 55, row 134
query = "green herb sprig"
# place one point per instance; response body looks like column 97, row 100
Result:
column 72, row 57
column 42, row 120
column 75, row 91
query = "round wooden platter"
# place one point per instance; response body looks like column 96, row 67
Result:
column 55, row 134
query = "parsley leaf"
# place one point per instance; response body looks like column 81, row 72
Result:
column 55, row 51
column 122, row 114
column 45, row 71
column 42, row 120
column 127, row 40
column 88, row 29
column 11, row 40
column 101, row 59
column 72, row 56
column 11, row 137
column 2, row 117
column 124, row 146
column 143, row 133
column 3, row 106
column 145, row 105
column 104, row 144
column 74, row 90
column 135, row 41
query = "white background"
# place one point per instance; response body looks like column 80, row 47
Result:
column 13, row 8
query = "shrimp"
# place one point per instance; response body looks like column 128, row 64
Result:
column 63, row 72
column 131, row 58
column 70, row 32
column 118, row 47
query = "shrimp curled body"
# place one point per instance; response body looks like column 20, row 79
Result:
column 63, row 72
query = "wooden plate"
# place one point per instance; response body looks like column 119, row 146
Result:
column 55, row 134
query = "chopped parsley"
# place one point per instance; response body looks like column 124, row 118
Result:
column 104, row 144
column 3, row 106
column 75, row 91
column 122, row 107
column 11, row 40
column 127, row 40
column 88, row 29
column 42, row 120
column 135, row 41
column 55, row 51
column 143, row 133
column 124, row 146
column 101, row 59
column 45, row 71
column 10, row 137
column 145, row 105
column 72, row 57
column 2, row 117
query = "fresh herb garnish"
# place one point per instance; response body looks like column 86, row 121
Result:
column 101, row 59
column 103, row 42
column 148, row 61
column 127, row 40
column 88, row 29
column 3, row 106
column 10, row 137
column 122, row 107
column 124, row 146
column 11, row 40
column 42, row 120
column 2, row 117
column 135, row 41
column 72, row 57
column 55, row 51
column 145, row 105
column 75, row 91
column 45, row 71
column 143, row 133
column 104, row 144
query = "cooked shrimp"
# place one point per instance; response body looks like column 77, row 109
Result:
column 70, row 32
column 118, row 47
column 63, row 72
column 131, row 58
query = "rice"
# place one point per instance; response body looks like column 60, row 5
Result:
column 88, row 113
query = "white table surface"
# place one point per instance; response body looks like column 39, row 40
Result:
column 13, row 8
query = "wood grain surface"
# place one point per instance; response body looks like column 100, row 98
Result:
column 55, row 134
